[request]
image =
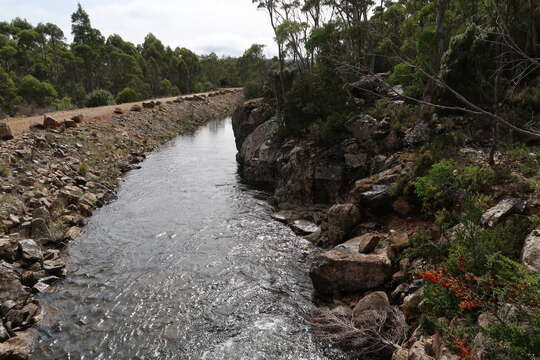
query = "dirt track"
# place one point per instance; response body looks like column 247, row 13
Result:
column 21, row 124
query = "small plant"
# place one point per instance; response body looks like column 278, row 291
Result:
column 99, row 97
column 4, row 171
column 83, row 169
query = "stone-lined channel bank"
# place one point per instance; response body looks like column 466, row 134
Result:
column 185, row 264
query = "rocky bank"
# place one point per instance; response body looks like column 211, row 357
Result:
column 55, row 175
column 343, row 198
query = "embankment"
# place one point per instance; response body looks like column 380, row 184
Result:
column 54, row 178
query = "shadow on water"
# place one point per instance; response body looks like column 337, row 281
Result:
column 186, row 264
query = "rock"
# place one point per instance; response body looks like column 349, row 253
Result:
column 136, row 107
column 30, row 250
column 364, row 244
column 336, row 272
column 22, row 317
column 8, row 249
column 376, row 197
column 304, row 227
column 256, row 157
column 78, row 118
column 421, row 350
column 402, row 207
column 284, row 216
column 54, row 266
column 401, row 354
column 385, row 177
column 4, row 335
column 248, row 117
column 341, row 220
column 418, row 134
column 503, row 208
column 72, row 233
column 40, row 231
column 411, row 303
column 41, row 287
column 149, row 105
column 530, row 256
column 10, row 284
column 43, row 213
column 5, row 132
column 70, row 124
column 377, row 300
column 369, row 87
column 118, row 111
column 50, row 122
column 356, row 161
column 19, row 347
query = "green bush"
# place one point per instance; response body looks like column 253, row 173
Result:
column 63, row 104
column 435, row 188
column 127, row 95
column 333, row 129
column 34, row 91
column 99, row 97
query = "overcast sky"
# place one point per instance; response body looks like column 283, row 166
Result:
column 226, row 27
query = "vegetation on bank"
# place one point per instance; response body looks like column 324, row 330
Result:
column 39, row 70
column 470, row 72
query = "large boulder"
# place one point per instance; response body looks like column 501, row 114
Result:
column 377, row 300
column 503, row 208
column 5, row 132
column 531, row 251
column 248, row 117
column 337, row 272
column 257, row 155
column 342, row 218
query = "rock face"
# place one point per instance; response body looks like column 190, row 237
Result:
column 531, row 251
column 248, row 117
column 336, row 272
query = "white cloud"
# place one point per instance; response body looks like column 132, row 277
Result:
column 226, row 27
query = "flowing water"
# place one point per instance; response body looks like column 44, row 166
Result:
column 186, row 264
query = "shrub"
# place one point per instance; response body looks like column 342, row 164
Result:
column 254, row 89
column 127, row 95
column 63, row 104
column 99, row 97
column 35, row 91
column 435, row 188
column 333, row 129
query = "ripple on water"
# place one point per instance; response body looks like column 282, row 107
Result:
column 184, row 265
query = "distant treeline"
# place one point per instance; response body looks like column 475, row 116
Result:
column 40, row 70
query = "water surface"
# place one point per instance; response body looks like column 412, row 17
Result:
column 184, row 265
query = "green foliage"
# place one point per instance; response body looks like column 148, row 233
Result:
column 436, row 187
column 99, row 97
column 333, row 130
column 40, row 92
column 423, row 247
column 400, row 116
column 409, row 77
column 8, row 94
column 127, row 95
column 63, row 104
column 254, row 89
